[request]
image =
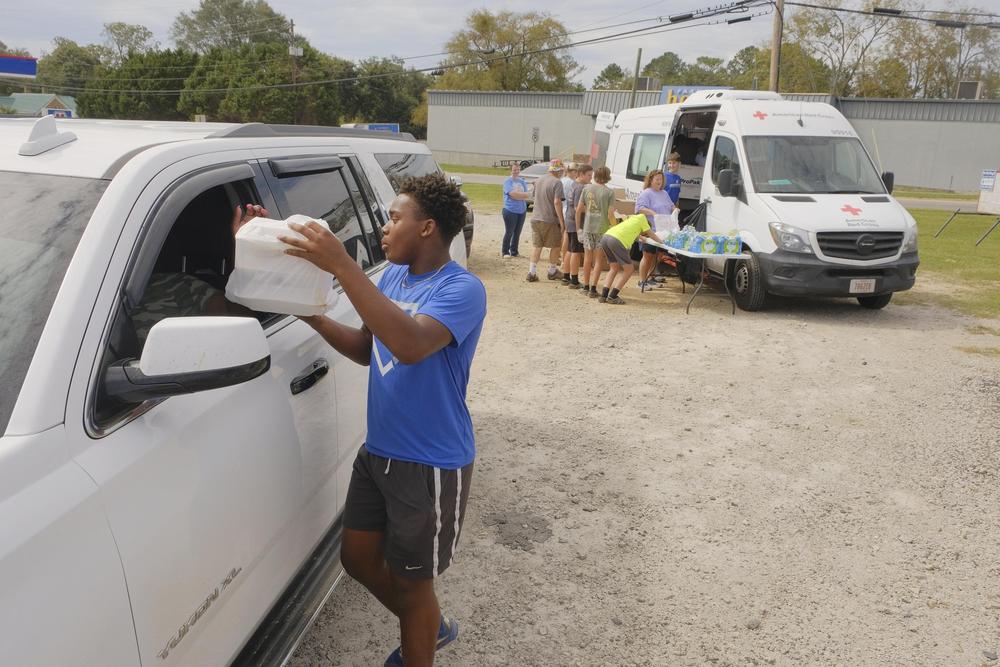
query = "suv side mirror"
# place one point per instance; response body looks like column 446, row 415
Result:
column 889, row 179
column 184, row 355
column 728, row 186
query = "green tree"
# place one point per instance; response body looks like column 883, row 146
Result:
column 125, row 39
column 118, row 91
column 842, row 41
column 69, row 66
column 884, row 77
column 229, row 24
column 613, row 77
column 497, row 52
column 667, row 67
column 387, row 92
column 249, row 84
column 705, row 71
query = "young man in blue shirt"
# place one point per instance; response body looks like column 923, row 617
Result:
column 673, row 179
column 406, row 501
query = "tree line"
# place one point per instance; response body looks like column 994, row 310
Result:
column 239, row 61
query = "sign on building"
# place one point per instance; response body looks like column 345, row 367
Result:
column 21, row 67
column 677, row 94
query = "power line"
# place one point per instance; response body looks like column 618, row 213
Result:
column 892, row 14
column 650, row 30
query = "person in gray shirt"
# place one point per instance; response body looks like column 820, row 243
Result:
column 547, row 222
column 574, row 247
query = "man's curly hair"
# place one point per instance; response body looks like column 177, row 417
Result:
column 439, row 199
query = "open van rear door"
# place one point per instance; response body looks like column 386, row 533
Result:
column 602, row 137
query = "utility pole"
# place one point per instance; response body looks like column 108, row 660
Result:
column 635, row 78
column 293, row 53
column 779, row 24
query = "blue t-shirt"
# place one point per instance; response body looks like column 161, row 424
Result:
column 417, row 412
column 673, row 186
column 519, row 185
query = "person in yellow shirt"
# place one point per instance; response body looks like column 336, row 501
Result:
column 615, row 244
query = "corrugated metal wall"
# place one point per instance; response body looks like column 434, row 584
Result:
column 479, row 98
column 928, row 143
column 613, row 101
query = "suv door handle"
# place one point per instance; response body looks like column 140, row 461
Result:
column 310, row 376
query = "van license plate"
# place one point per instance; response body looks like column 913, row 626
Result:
column 863, row 286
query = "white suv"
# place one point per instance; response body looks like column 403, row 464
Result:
column 171, row 494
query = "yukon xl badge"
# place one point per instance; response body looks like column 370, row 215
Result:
column 198, row 613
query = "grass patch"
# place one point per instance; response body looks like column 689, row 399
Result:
column 484, row 198
column 463, row 169
column 971, row 274
column 982, row 351
column 912, row 192
column 981, row 330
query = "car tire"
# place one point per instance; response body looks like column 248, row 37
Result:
column 526, row 163
column 746, row 283
column 875, row 302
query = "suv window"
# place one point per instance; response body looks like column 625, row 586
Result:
column 725, row 157
column 400, row 166
column 645, row 155
column 326, row 195
column 44, row 217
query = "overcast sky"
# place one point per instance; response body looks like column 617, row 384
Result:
column 401, row 28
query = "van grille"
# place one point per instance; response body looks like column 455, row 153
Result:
column 860, row 245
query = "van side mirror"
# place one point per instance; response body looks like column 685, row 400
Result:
column 728, row 186
column 889, row 179
column 184, row 355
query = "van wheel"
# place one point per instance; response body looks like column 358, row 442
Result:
column 747, row 284
column 875, row 302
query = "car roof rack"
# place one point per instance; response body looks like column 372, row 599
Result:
column 260, row 130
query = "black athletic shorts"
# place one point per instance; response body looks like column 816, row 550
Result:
column 419, row 508
column 575, row 245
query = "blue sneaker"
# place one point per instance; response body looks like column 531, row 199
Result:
column 447, row 633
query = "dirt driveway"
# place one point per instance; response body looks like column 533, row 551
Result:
column 814, row 484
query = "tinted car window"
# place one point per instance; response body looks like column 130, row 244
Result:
column 724, row 157
column 325, row 195
column 400, row 166
column 44, row 217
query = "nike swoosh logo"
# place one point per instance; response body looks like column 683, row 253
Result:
column 407, row 567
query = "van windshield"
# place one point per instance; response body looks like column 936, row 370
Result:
column 816, row 165
column 45, row 217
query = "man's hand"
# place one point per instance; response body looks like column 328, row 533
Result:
column 242, row 217
column 317, row 245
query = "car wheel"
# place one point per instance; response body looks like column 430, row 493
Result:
column 747, row 284
column 526, row 163
column 875, row 302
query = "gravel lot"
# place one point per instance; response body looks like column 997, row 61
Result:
column 814, row 484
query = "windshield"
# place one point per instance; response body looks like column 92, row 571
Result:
column 43, row 220
column 815, row 165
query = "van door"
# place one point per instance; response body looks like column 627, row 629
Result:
column 724, row 213
column 201, row 491
column 334, row 193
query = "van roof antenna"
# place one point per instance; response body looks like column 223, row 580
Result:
column 801, row 124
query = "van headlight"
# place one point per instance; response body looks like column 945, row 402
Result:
column 790, row 238
column 910, row 244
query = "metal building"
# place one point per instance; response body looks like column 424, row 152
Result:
column 927, row 143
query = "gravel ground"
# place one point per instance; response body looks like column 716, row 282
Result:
column 813, row 484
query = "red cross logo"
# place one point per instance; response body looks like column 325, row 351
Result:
column 850, row 209
column 760, row 115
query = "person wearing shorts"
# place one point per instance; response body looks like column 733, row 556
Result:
column 574, row 227
column 547, row 221
column 410, row 483
column 615, row 244
column 652, row 201
column 597, row 211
